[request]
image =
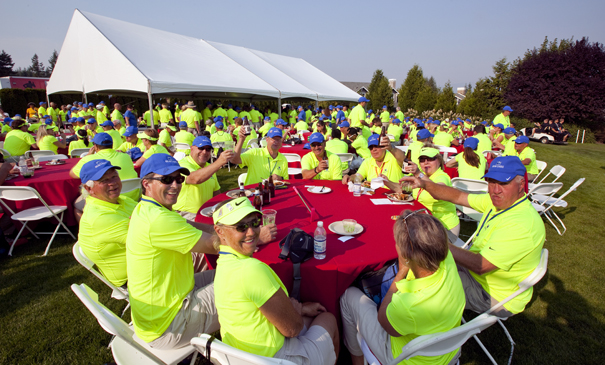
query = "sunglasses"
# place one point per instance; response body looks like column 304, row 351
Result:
column 422, row 159
column 206, row 148
column 372, row 147
column 243, row 227
column 168, row 180
column 419, row 211
column 315, row 144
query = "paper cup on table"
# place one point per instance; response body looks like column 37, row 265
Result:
column 269, row 216
column 349, row 225
column 376, row 183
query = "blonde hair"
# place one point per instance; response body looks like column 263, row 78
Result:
column 42, row 132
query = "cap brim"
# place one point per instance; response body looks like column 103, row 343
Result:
column 236, row 215
column 499, row 176
column 99, row 174
column 170, row 169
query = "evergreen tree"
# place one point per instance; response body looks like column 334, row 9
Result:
column 379, row 92
column 37, row 67
column 52, row 61
column 426, row 99
column 6, row 64
column 446, row 101
column 408, row 92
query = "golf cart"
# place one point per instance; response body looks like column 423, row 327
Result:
column 540, row 137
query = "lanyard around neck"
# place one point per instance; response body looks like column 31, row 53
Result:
column 152, row 202
column 488, row 219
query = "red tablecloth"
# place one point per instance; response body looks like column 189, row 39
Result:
column 326, row 280
column 55, row 186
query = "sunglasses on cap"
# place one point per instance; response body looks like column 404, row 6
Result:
column 243, row 227
column 422, row 159
column 168, row 180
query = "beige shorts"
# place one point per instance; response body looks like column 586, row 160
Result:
column 197, row 315
column 477, row 299
column 312, row 347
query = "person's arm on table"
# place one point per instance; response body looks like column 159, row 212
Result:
column 280, row 311
column 237, row 150
column 472, row 261
column 382, row 311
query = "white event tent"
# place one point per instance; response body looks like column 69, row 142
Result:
column 109, row 56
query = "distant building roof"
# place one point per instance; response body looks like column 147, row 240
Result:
column 358, row 86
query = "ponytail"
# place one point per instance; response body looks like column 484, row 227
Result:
column 83, row 135
column 471, row 157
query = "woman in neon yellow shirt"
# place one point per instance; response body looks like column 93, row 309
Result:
column 471, row 165
column 46, row 139
column 82, row 141
column 150, row 141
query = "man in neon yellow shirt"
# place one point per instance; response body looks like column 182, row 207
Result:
column 503, row 118
column 165, row 114
column 360, row 144
column 256, row 117
column 385, row 115
column 485, row 144
column 527, row 156
column 104, row 223
column 42, row 110
column 508, row 143
column 52, row 111
column 183, row 136
column 207, row 112
column 508, row 243
column 190, row 117
column 116, row 114
column 385, row 161
column 265, row 128
column 399, row 114
column 320, row 164
column 220, row 136
column 423, row 135
column 115, row 135
column 156, row 118
column 166, row 136
column 358, row 114
column 132, row 140
column 219, row 111
column 18, row 141
column 99, row 115
column 395, row 130
column 117, row 125
column 262, row 162
column 231, row 114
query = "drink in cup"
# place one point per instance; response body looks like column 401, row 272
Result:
column 228, row 146
column 356, row 185
column 269, row 216
column 349, row 225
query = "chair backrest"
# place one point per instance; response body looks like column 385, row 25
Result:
column 77, row 152
column 45, row 158
column 545, row 188
column 18, row 193
column 129, row 185
column 345, row 157
column 84, row 154
column 182, row 146
column 109, row 321
column 554, row 203
column 252, row 144
column 34, row 153
column 292, row 157
column 403, row 148
column 557, row 171
column 441, row 343
column 541, row 167
column 469, row 185
column 495, row 153
column 531, row 280
column 5, row 152
column 241, row 179
column 221, row 353
column 179, row 155
column 81, row 257
column 263, row 142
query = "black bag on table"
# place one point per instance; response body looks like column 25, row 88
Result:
column 298, row 246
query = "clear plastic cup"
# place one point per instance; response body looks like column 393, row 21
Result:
column 349, row 225
column 269, row 216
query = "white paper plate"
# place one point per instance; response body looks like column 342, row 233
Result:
column 338, row 228
column 235, row 193
column 318, row 190
column 207, row 212
column 287, row 146
column 397, row 201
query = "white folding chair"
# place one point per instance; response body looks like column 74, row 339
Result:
column 345, row 157
column 263, row 142
column 495, row 153
column 472, row 187
column 447, row 151
column 21, row 193
column 36, row 153
column 252, row 144
column 181, row 146
column 50, row 158
column 293, row 157
column 435, row 344
column 218, row 352
column 544, row 189
column 78, row 152
column 179, row 155
column 557, row 172
column 541, row 167
column 545, row 205
column 126, row 347
column 116, row 292
column 403, row 148
column 4, row 152
column 241, row 179
column 531, row 280
column 129, row 185
column 84, row 154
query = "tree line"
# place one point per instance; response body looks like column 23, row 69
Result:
column 36, row 69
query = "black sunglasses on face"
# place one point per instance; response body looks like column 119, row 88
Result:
column 168, row 180
column 424, row 158
column 243, row 227
column 372, row 147
column 315, row 144
column 206, row 148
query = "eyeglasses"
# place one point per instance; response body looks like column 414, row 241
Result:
column 373, row 146
column 315, row 144
column 206, row 148
column 419, row 211
column 422, row 159
column 168, row 180
column 243, row 227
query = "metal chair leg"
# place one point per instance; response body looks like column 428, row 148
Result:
column 10, row 251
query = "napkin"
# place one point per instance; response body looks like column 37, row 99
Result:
column 376, row 183
column 345, row 238
column 381, row 201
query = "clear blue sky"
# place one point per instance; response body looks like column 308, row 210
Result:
column 451, row 40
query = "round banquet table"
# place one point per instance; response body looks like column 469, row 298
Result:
column 326, row 280
column 55, row 186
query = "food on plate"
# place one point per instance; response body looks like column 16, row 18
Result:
column 399, row 196
column 366, row 184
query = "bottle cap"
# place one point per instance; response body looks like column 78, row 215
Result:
column 320, row 224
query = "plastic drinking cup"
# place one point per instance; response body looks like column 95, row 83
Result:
column 269, row 216
column 349, row 225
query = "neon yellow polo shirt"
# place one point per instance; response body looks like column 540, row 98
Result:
column 500, row 118
column 334, row 171
column 193, row 196
column 361, row 147
column 261, row 165
column 485, row 144
column 414, row 150
column 6, row 128
column 265, row 128
column 443, row 139
column 244, row 114
column 255, row 115
column 424, row 306
column 100, row 117
column 301, row 126
column 220, row 136
column 399, row 115
column 156, row 148
column 165, row 138
column 252, row 135
column 102, row 236
column 357, row 114
column 376, row 130
column 165, row 115
column 189, row 116
column 156, row 118
column 77, row 144
column 441, row 209
column 509, row 146
column 116, row 137
column 231, row 114
column 396, row 131
column 241, row 286
column 308, row 115
column 127, row 145
column 338, row 146
column 220, row 111
column 52, row 112
column 532, row 168
column 116, row 115
column 513, row 242
column 211, row 128
column 42, row 112
column 389, row 167
column 467, row 171
column 292, row 117
column 159, row 266
column 17, row 142
column 183, row 136
column 385, row 116
column 47, row 143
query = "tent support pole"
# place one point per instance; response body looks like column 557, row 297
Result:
column 316, row 104
column 85, row 98
column 279, row 106
column 150, row 104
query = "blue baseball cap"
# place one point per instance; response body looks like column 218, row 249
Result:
column 522, row 139
column 219, row 125
column 316, row 137
column 338, row 106
column 132, row 130
column 505, row 168
column 201, row 141
column 7, row 120
column 79, row 119
column 307, row 146
column 79, row 103
column 424, row 133
column 374, row 140
column 73, row 109
column 182, row 124
column 420, row 124
column 510, row 130
column 396, row 121
column 44, row 116
column 91, row 104
column 161, row 164
column 499, row 125
column 507, row 108
column 91, row 121
column 275, row 132
column 280, row 122
column 238, row 108
column 484, row 122
column 362, row 99
column 48, row 121
column 438, row 122
column 267, row 118
column 95, row 169
column 103, row 139
column 331, row 107
column 299, row 107
column 370, row 111
column 455, row 122
column 344, row 125
column 384, row 107
column 218, row 118
column 471, row 142
column 42, row 102
column 230, row 106
column 102, row 102
column 107, row 123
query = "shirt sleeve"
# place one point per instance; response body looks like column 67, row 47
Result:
column 172, row 232
column 479, row 202
column 259, row 282
column 306, row 163
column 363, row 169
column 398, row 314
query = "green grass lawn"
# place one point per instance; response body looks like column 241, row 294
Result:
column 43, row 322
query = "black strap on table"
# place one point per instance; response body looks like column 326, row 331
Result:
column 208, row 343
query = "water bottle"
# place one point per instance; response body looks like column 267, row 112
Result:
column 319, row 246
column 22, row 165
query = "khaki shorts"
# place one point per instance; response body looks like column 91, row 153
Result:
column 197, row 315
column 312, row 347
column 477, row 299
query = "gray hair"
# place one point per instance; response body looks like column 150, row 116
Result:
column 90, row 183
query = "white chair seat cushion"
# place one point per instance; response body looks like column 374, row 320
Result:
column 37, row 213
column 123, row 353
column 540, row 199
column 294, row 171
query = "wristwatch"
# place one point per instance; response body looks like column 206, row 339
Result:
column 421, row 175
